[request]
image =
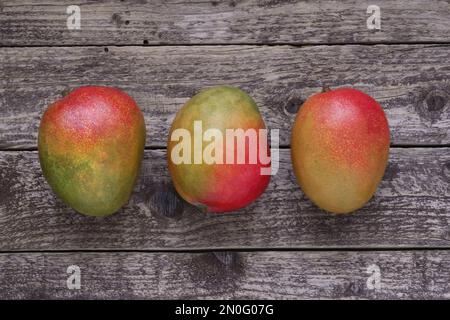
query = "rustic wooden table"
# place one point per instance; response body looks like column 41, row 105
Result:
column 282, row 246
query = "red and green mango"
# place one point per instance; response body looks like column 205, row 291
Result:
column 91, row 144
column 218, row 187
column 340, row 148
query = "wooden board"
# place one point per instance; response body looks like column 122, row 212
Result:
column 411, row 83
column 228, row 275
column 280, row 52
column 39, row 22
column 410, row 209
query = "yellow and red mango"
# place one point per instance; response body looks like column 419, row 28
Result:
column 218, row 187
column 340, row 148
column 91, row 145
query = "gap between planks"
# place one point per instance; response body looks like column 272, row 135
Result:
column 244, row 44
column 283, row 147
column 238, row 250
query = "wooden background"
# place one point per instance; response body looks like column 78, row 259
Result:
column 281, row 52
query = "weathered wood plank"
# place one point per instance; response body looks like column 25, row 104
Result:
column 411, row 209
column 227, row 275
column 39, row 22
column 411, row 82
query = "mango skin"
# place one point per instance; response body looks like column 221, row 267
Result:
column 340, row 149
column 218, row 187
column 91, row 145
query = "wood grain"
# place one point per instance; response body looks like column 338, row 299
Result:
column 227, row 275
column 39, row 22
column 411, row 209
column 196, row 44
column 410, row 81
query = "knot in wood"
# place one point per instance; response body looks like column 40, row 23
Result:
column 293, row 105
column 117, row 19
column 431, row 104
column 227, row 258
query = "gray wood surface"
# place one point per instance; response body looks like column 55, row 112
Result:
column 43, row 22
column 280, row 52
column 410, row 209
column 410, row 81
column 225, row 275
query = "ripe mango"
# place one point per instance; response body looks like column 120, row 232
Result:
column 217, row 186
column 340, row 148
column 91, row 144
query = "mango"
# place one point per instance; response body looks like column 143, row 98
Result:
column 91, row 144
column 340, row 148
column 199, row 131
